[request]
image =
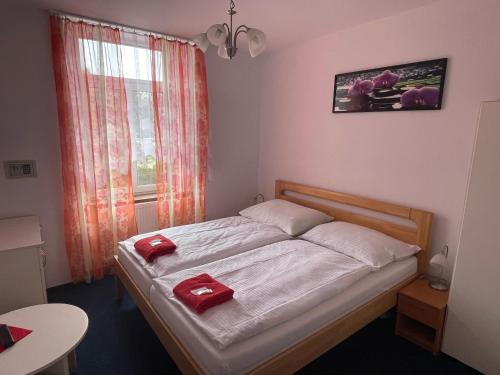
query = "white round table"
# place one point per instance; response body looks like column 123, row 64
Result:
column 49, row 349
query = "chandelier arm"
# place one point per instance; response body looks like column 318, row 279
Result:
column 240, row 29
column 228, row 31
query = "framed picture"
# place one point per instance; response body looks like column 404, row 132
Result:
column 407, row 87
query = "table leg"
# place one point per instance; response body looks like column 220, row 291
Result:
column 65, row 366
column 72, row 362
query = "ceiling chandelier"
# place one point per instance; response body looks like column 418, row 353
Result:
column 222, row 36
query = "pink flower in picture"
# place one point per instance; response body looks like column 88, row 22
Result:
column 385, row 80
column 420, row 97
column 360, row 88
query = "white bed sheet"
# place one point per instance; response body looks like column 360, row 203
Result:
column 245, row 355
column 272, row 284
column 218, row 239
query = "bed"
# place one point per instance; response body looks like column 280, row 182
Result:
column 219, row 239
column 290, row 345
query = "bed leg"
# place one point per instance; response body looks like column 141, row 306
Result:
column 119, row 289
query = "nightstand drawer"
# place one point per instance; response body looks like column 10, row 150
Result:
column 419, row 311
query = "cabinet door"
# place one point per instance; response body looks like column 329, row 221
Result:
column 21, row 280
column 472, row 333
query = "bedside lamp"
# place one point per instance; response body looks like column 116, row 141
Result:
column 440, row 260
column 259, row 198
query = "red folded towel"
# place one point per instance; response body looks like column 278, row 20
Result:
column 152, row 247
column 219, row 292
column 16, row 334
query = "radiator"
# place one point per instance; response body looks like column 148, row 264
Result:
column 147, row 220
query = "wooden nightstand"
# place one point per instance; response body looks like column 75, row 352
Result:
column 421, row 314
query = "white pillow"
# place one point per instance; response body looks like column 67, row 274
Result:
column 364, row 244
column 290, row 217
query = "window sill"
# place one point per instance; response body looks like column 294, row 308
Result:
column 145, row 198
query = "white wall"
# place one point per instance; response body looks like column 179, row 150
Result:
column 418, row 159
column 29, row 130
column 234, row 132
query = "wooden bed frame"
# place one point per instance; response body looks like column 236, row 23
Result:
column 313, row 346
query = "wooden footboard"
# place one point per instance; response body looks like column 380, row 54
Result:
column 286, row 362
column 174, row 347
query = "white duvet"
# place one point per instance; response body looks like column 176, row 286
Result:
column 271, row 284
column 206, row 242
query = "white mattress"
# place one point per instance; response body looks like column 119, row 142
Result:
column 272, row 284
column 197, row 244
column 242, row 356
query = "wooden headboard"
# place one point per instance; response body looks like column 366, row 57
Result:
column 420, row 235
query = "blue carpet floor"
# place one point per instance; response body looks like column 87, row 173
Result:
column 120, row 341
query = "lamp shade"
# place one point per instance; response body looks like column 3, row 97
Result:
column 201, row 41
column 222, row 52
column 256, row 42
column 438, row 260
column 217, row 34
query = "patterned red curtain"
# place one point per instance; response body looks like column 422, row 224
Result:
column 180, row 108
column 95, row 144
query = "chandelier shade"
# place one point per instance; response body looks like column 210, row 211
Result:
column 225, row 39
column 222, row 52
column 202, row 41
column 256, row 42
column 217, row 34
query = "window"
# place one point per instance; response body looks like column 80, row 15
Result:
column 140, row 116
column 137, row 73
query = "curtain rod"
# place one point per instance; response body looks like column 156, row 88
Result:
column 126, row 28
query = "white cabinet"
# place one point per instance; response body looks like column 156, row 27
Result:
column 22, row 278
column 472, row 332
